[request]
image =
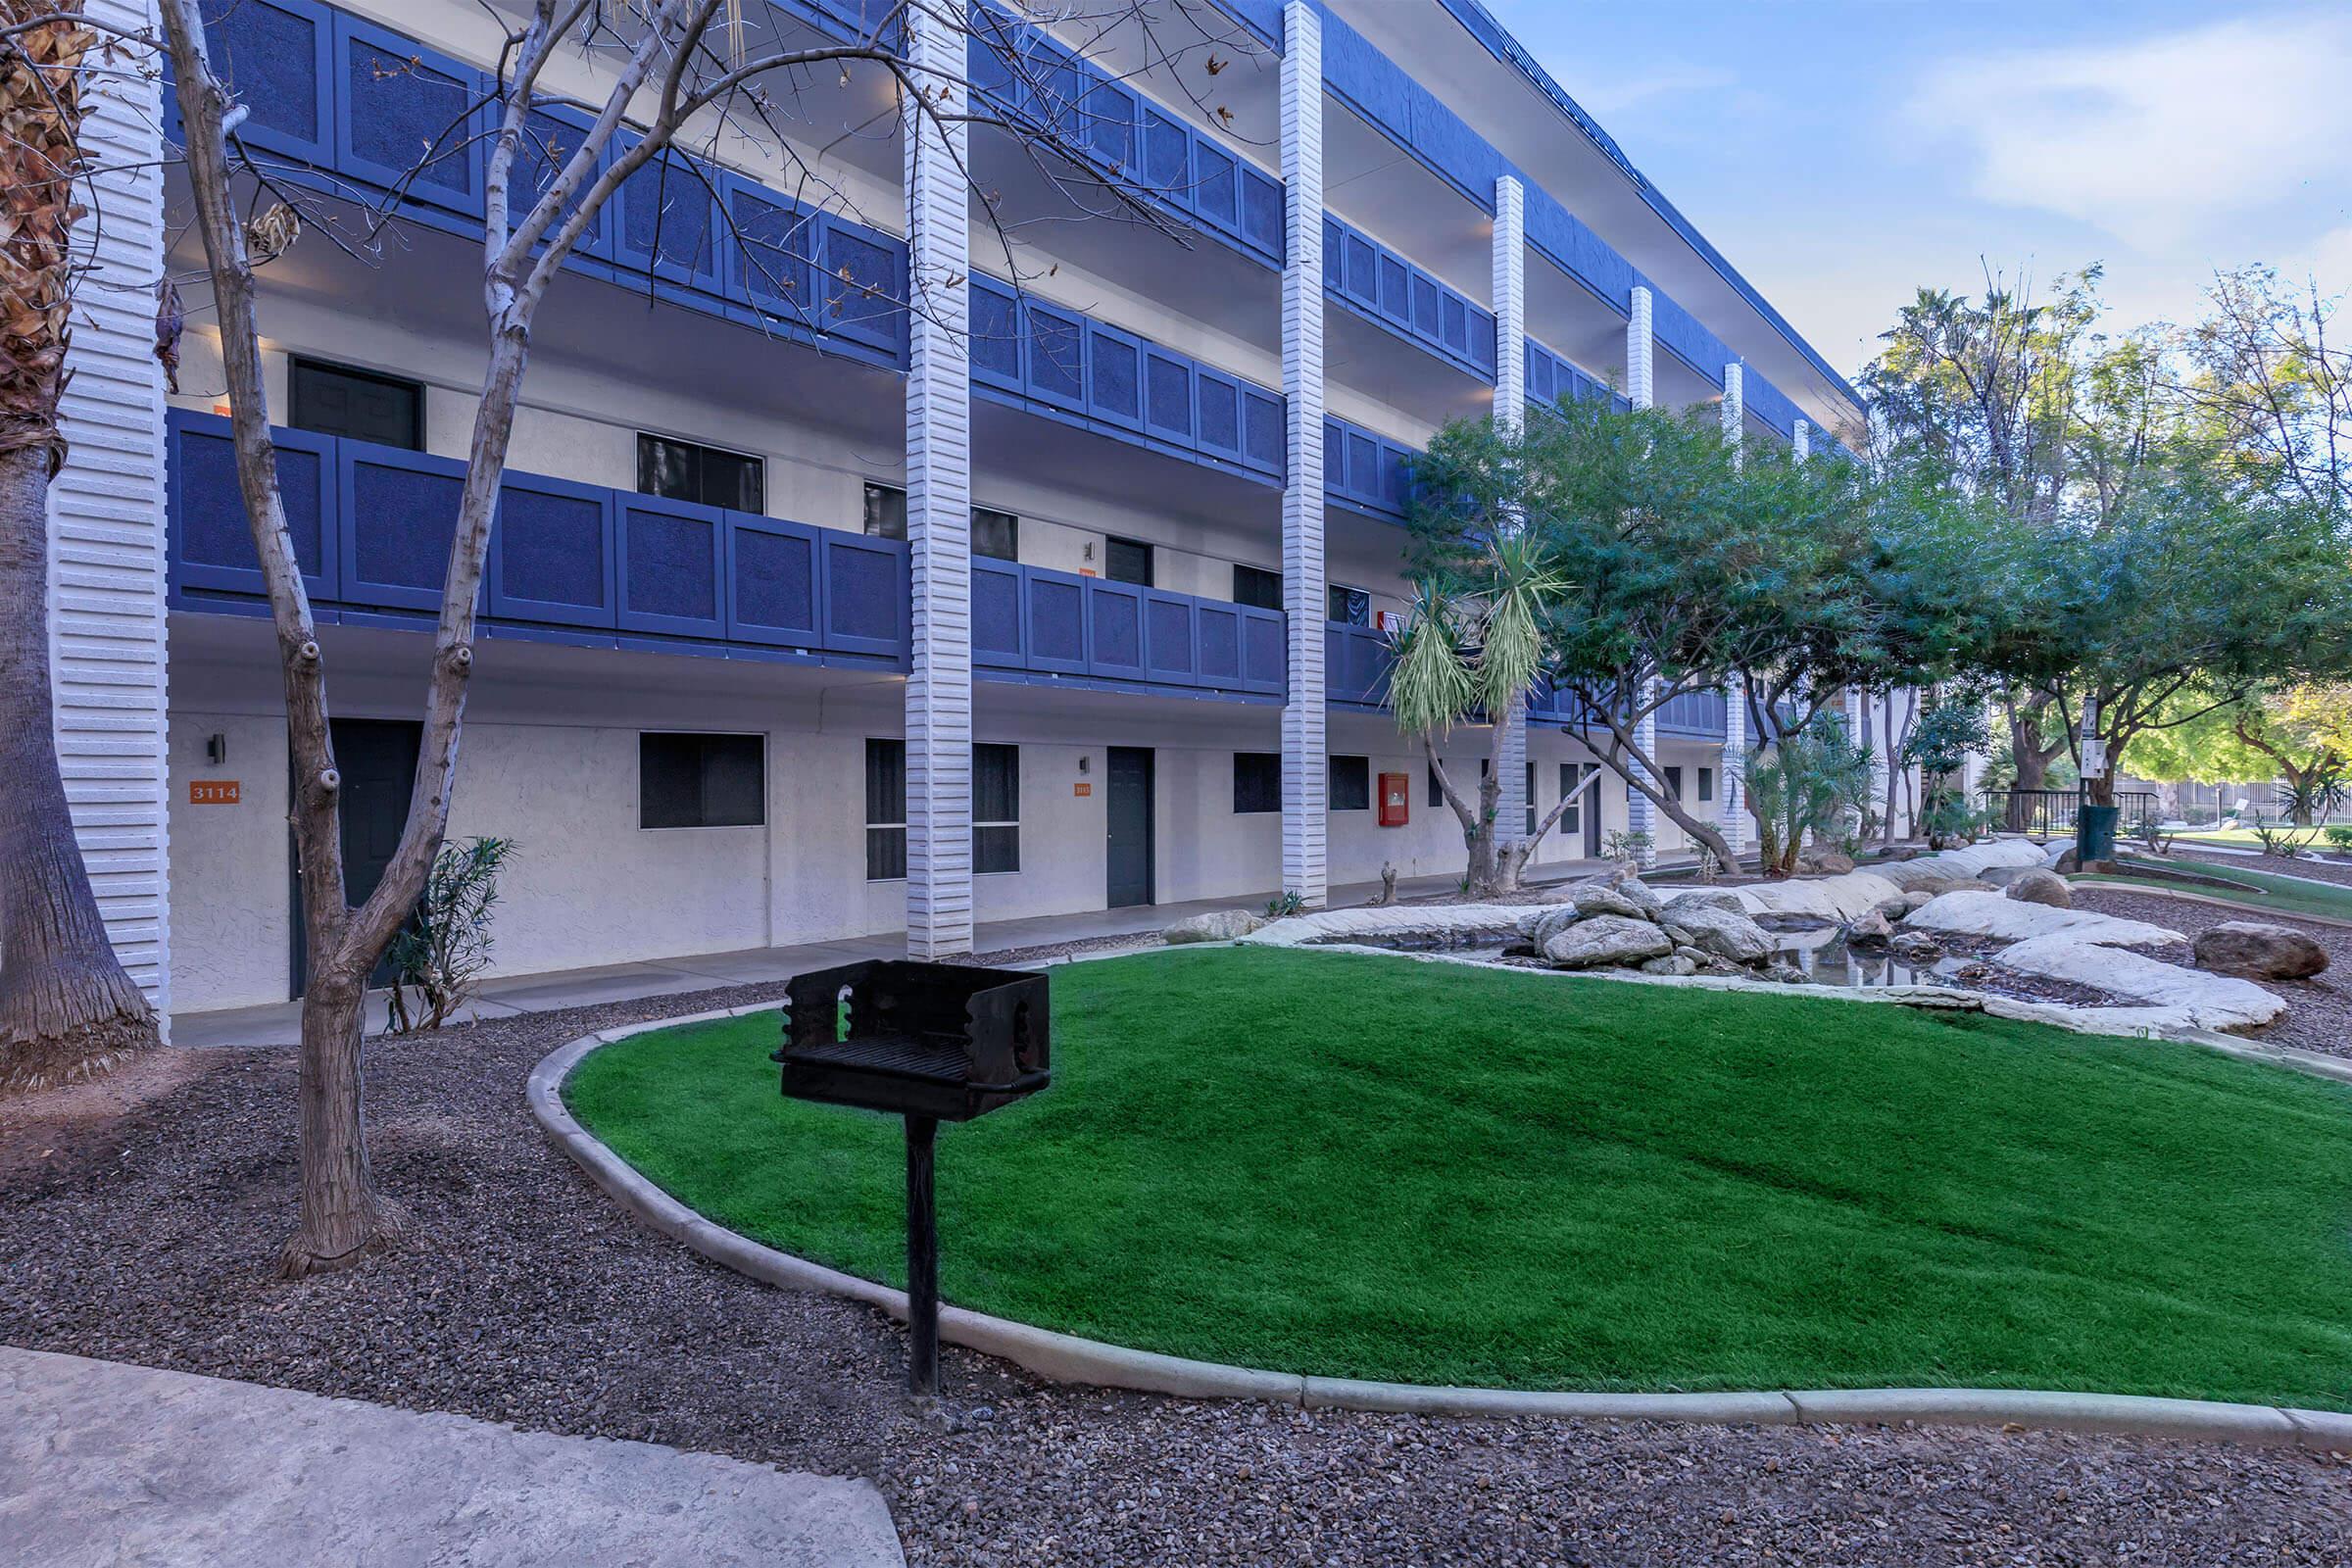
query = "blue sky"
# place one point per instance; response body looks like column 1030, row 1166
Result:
column 1843, row 152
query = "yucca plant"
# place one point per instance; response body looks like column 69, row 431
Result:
column 1468, row 654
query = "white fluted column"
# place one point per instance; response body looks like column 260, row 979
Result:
column 1801, row 440
column 1510, row 413
column 1732, row 793
column 1735, row 404
column 1640, row 815
column 1305, row 751
column 939, row 505
column 107, row 546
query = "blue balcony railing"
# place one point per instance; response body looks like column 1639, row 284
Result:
column 595, row 566
column 1552, row 379
column 1687, row 716
column 1053, row 624
column 1384, row 287
column 1366, row 473
column 1357, row 660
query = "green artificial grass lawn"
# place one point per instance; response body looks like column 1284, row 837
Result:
column 2257, row 890
column 1364, row 1166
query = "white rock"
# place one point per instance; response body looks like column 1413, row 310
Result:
column 2209, row 1001
column 1627, row 898
column 1711, row 897
column 1217, row 925
column 1722, row 933
column 2006, row 919
column 1446, row 922
column 1606, row 938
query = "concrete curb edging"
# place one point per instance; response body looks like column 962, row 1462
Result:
column 1069, row 1359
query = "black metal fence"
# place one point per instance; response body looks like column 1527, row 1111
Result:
column 2052, row 814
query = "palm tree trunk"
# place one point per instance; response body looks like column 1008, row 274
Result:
column 66, row 1009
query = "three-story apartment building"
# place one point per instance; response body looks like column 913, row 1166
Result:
column 809, row 615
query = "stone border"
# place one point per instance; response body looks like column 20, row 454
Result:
column 1068, row 1359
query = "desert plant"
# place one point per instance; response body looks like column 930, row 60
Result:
column 1813, row 780
column 1621, row 845
column 2315, row 794
column 445, row 947
column 1287, row 903
column 2280, row 839
column 2153, row 836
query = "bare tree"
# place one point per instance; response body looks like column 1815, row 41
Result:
column 2275, row 391
column 67, row 1008
column 687, row 70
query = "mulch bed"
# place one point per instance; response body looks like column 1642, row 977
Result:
column 2338, row 871
column 2319, row 1014
column 138, row 1226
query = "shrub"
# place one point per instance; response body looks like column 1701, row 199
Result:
column 2339, row 836
column 446, row 944
column 1623, row 846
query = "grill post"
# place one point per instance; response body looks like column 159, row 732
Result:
column 922, row 1259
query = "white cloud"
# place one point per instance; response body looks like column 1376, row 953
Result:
column 1611, row 95
column 2155, row 138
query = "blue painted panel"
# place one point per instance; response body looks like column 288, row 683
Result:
column 1362, row 272
column 1054, row 85
column 770, row 247
column 1426, row 294
column 865, row 594
column 1114, row 371
column 1261, row 212
column 865, row 286
column 1167, row 396
column 1217, row 413
column 1574, row 249
column 775, row 582
column 552, row 552
column 673, row 560
column 666, row 219
column 1395, row 289
column 1055, row 353
column 1216, row 185
column 1170, row 650
column 1768, row 402
column 551, row 136
column 1218, row 656
column 1482, row 341
column 1167, row 154
column 992, row 48
column 1053, row 619
column 397, row 101
column 997, row 639
column 1395, row 478
column 398, row 511
column 277, row 55
column 1356, row 662
column 995, row 335
column 1335, row 457
column 1679, row 330
column 212, row 536
column 1110, row 125
column 1454, row 324
column 1263, row 431
column 1114, row 630
column 1266, row 651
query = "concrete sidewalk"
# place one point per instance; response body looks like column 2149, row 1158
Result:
column 280, row 1023
column 102, row 1463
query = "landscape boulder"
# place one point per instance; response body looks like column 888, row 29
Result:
column 1723, row 933
column 1915, row 948
column 1540, row 925
column 1627, row 898
column 1916, row 900
column 1895, row 908
column 2036, row 886
column 2256, row 950
column 1674, row 963
column 1217, row 925
column 1605, row 939
column 1710, row 897
column 1832, row 862
column 1868, row 930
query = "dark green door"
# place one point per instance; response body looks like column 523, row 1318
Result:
column 378, row 758
column 1130, row 814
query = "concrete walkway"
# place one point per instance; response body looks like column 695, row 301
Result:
column 280, row 1023
column 102, row 1463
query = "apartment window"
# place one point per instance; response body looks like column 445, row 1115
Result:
column 1706, row 784
column 1256, row 782
column 1572, row 820
column 336, row 400
column 996, row 809
column 885, row 810
column 996, row 535
column 690, row 780
column 1127, row 560
column 886, row 512
column 1674, row 782
column 680, row 471
column 1350, row 606
column 1437, row 791
column 1531, row 800
column 1257, row 587
column 1350, row 784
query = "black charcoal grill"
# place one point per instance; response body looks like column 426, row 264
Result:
column 928, row 1042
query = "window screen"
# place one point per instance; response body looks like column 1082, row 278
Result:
column 996, row 809
column 686, row 780
column 682, row 470
column 1350, row 606
column 334, row 399
column 1127, row 560
column 996, row 535
column 1352, row 784
column 1572, row 820
column 1257, row 587
column 1706, row 784
column 886, row 512
column 1256, row 782
column 1531, row 800
column 1674, row 782
column 885, row 810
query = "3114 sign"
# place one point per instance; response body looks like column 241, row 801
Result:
column 213, row 791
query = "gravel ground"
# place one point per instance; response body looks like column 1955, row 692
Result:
column 2316, row 870
column 136, row 1224
column 2318, row 1009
